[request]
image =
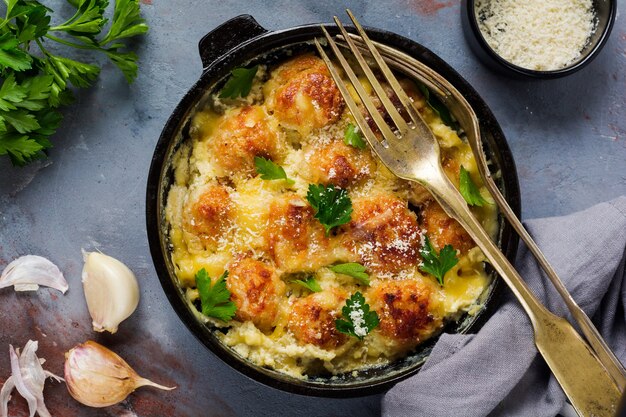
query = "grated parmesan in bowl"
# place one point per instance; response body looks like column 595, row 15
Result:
column 538, row 37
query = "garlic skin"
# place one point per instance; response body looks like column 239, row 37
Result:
column 97, row 377
column 28, row 377
column 111, row 291
column 28, row 272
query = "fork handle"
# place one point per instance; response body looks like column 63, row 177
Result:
column 591, row 390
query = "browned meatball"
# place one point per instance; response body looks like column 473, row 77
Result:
column 312, row 319
column 241, row 135
column 338, row 164
column 442, row 230
column 206, row 215
column 384, row 233
column 404, row 309
column 256, row 290
column 296, row 240
column 302, row 95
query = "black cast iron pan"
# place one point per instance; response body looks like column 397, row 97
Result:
column 242, row 41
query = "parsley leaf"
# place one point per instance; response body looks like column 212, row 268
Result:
column 332, row 205
column 353, row 137
column 270, row 171
column 35, row 83
column 353, row 269
column 437, row 106
column 309, row 283
column 215, row 299
column 435, row 263
column 469, row 190
column 359, row 320
column 240, row 82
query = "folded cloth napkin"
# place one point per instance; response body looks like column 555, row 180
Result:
column 497, row 372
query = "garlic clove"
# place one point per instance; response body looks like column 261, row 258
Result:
column 28, row 272
column 98, row 377
column 111, row 291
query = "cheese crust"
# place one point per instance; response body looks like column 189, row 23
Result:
column 223, row 217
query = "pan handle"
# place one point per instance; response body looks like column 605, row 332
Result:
column 226, row 36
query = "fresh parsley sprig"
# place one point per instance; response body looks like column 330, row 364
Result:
column 270, row 171
column 435, row 263
column 352, row 269
column 352, row 137
column 357, row 320
column 332, row 205
column 310, row 283
column 469, row 190
column 36, row 80
column 240, row 82
column 215, row 298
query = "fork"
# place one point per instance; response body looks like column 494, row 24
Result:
column 411, row 152
column 463, row 112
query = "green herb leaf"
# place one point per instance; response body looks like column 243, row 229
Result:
column 126, row 21
column 332, row 205
column 435, row 263
column 240, row 82
column 20, row 148
column 270, row 171
column 309, row 283
column 469, row 190
column 353, row 269
column 353, row 137
column 88, row 18
column 11, row 55
column 215, row 299
column 358, row 319
column 437, row 106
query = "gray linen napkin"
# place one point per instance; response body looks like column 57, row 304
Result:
column 497, row 371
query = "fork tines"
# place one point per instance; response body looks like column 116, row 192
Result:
column 402, row 127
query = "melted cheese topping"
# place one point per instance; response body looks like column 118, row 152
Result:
column 223, row 216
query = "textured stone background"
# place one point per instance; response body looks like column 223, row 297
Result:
column 568, row 137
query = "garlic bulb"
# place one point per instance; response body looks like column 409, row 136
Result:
column 28, row 272
column 111, row 291
column 98, row 377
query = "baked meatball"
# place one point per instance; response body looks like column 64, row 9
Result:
column 206, row 215
column 296, row 240
column 302, row 95
column 443, row 230
column 405, row 309
column 312, row 318
column 383, row 233
column 242, row 134
column 256, row 290
column 338, row 164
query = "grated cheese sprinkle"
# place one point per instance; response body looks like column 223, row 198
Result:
column 539, row 35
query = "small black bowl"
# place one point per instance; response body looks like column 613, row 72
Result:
column 605, row 15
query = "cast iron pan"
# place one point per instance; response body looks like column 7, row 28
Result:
column 241, row 41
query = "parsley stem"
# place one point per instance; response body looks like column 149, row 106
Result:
column 68, row 43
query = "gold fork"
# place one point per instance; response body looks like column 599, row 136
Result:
column 411, row 152
column 464, row 113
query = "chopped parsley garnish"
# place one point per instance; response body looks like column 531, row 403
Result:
column 359, row 320
column 309, row 283
column 215, row 299
column 353, row 137
column 353, row 269
column 36, row 81
column 240, row 82
column 270, row 171
column 469, row 190
column 435, row 263
column 332, row 205
column 437, row 106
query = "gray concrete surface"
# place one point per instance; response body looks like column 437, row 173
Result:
column 568, row 137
